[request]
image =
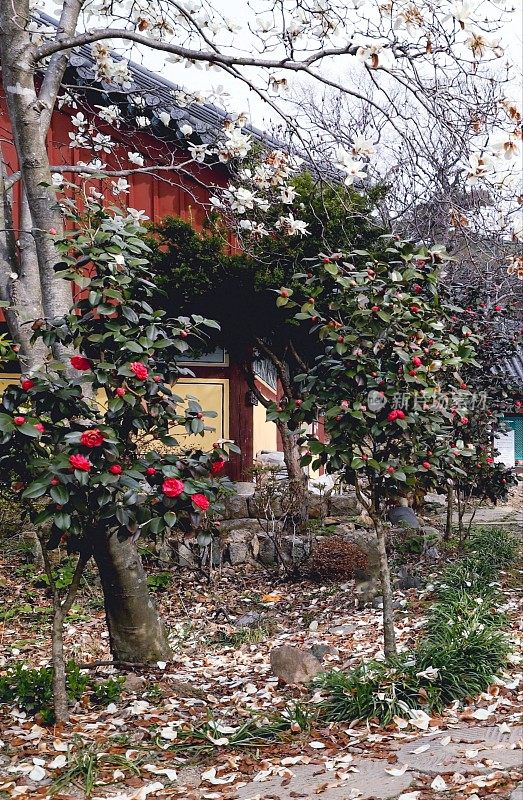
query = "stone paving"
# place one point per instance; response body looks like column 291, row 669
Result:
column 472, row 750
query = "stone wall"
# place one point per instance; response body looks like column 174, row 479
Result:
column 244, row 538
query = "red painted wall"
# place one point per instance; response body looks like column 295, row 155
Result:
column 158, row 195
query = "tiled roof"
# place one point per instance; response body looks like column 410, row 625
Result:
column 515, row 366
column 158, row 94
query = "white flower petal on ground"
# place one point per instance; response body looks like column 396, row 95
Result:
column 438, row 784
column 397, row 772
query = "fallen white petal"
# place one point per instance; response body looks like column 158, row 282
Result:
column 481, row 713
column 396, row 772
column 471, row 753
column 422, row 749
column 38, row 773
column 58, row 762
column 317, row 745
column 438, row 784
column 446, row 740
column 409, row 796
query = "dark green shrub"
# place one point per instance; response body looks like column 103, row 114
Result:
column 108, row 691
column 32, row 689
column 160, row 581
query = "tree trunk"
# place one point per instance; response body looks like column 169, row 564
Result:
column 61, row 710
column 297, row 476
column 389, row 635
column 136, row 633
column 450, row 511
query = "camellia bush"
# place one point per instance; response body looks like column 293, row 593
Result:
column 88, row 445
column 388, row 361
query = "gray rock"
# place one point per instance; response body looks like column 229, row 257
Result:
column 432, row 553
column 236, row 507
column 216, row 553
column 403, row 516
column 246, row 620
column 244, row 488
column 266, row 551
column 242, row 524
column 319, row 651
column 237, row 552
column 318, row 506
column 257, row 507
column 295, row 548
column 292, row 665
column 185, row 556
column 134, row 683
column 342, row 630
column 377, row 602
column 341, row 505
column 408, row 580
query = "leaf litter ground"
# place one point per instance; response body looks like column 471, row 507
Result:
column 219, row 680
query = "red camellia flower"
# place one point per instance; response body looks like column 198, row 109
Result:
column 391, row 470
column 92, row 438
column 392, row 415
column 490, row 460
column 54, row 482
column 172, row 487
column 26, row 384
column 120, row 391
column 139, row 369
column 375, row 308
column 80, row 363
column 417, row 288
column 40, row 427
column 80, row 462
column 19, row 420
column 426, row 464
column 464, row 420
column 417, row 361
column 498, row 308
column 150, row 471
column 200, row 501
column 217, row 467
column 115, row 469
column 414, row 309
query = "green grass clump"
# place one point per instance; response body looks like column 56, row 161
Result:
column 250, row 634
column 464, row 647
column 495, row 546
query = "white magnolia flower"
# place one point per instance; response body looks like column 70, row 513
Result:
column 186, row 129
column 243, row 199
column 199, row 152
column 506, row 147
column 362, row 146
column 164, row 118
column 109, row 114
column 237, row 145
column 287, row 194
column 57, row 179
column 461, row 11
column 79, row 120
column 120, row 186
column 292, row 226
column 411, row 19
column 136, row 158
column 77, row 139
column 353, row 167
column 137, row 216
column 478, row 166
column 102, row 143
column 142, row 122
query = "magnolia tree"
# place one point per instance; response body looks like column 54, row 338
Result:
column 402, row 51
column 387, row 359
column 90, row 447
